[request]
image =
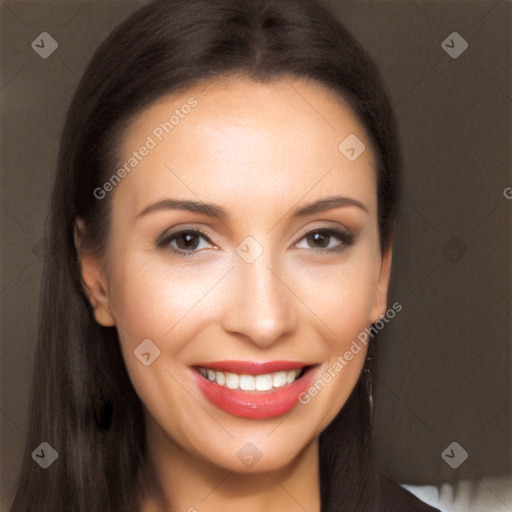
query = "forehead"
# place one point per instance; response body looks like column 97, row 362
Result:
column 242, row 141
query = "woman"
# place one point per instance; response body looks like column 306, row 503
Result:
column 220, row 241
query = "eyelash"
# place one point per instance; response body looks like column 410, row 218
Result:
column 345, row 237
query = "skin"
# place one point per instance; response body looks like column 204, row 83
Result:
column 261, row 151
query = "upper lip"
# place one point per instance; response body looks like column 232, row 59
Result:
column 253, row 367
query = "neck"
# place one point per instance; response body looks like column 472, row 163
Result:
column 175, row 479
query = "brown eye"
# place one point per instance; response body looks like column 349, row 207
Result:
column 319, row 239
column 185, row 242
column 322, row 239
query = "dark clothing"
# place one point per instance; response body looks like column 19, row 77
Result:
column 394, row 498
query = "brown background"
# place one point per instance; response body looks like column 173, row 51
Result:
column 446, row 357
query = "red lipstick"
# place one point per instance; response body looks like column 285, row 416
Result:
column 254, row 404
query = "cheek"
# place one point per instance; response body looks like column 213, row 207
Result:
column 155, row 301
column 341, row 295
column 150, row 296
column 341, row 302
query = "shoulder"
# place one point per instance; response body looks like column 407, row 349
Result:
column 394, row 498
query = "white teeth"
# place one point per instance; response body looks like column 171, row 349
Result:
column 279, row 379
column 264, row 382
column 232, row 380
column 245, row 382
column 220, row 378
column 290, row 378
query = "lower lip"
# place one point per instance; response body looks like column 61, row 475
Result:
column 255, row 404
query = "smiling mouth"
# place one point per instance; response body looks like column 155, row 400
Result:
column 254, row 389
column 246, row 382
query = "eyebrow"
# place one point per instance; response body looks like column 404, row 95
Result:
column 213, row 210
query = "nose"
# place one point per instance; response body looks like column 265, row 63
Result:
column 261, row 306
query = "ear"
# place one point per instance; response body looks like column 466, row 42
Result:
column 381, row 292
column 92, row 277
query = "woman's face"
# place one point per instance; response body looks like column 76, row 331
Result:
column 267, row 281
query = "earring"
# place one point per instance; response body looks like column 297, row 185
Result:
column 103, row 409
column 368, row 385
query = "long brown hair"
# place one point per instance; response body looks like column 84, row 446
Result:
column 166, row 46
